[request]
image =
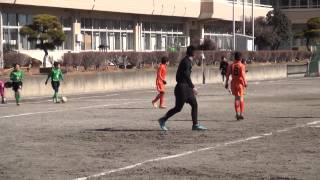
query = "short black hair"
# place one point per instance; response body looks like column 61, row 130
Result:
column 15, row 64
column 164, row 60
column 237, row 55
column 190, row 50
column 56, row 63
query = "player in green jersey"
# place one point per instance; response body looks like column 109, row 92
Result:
column 56, row 76
column 16, row 76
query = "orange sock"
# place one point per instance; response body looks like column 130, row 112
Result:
column 242, row 106
column 237, row 106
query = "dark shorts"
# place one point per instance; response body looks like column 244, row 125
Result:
column 184, row 93
column 55, row 85
column 16, row 86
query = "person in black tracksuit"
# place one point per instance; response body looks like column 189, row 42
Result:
column 223, row 67
column 184, row 92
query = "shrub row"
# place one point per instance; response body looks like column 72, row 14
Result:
column 213, row 57
column 141, row 59
column 147, row 59
column 137, row 59
column 24, row 60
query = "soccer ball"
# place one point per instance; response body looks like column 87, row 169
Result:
column 64, row 99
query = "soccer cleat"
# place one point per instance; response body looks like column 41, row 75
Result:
column 162, row 124
column 163, row 107
column 241, row 117
column 198, row 127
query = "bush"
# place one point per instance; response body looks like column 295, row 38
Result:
column 89, row 59
column 11, row 58
column 208, row 45
column 149, row 59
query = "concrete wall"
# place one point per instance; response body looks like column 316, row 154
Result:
column 116, row 81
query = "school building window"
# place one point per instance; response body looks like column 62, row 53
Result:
column 115, row 35
column 161, row 36
column 13, row 40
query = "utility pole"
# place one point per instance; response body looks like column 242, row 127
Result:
column 252, row 15
column 1, row 41
column 244, row 18
column 202, row 67
column 234, row 26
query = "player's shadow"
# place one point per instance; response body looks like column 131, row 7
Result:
column 129, row 108
column 313, row 105
column 189, row 120
column 123, row 130
column 309, row 99
column 209, row 95
column 295, row 117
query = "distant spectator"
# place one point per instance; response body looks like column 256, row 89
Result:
column 2, row 86
column 223, row 67
column 244, row 62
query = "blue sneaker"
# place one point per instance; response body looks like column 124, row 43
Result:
column 198, row 127
column 162, row 124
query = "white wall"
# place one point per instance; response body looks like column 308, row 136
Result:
column 117, row 81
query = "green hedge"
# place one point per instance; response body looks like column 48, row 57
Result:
column 142, row 59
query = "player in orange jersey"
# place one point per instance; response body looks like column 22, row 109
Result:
column 238, row 84
column 161, row 82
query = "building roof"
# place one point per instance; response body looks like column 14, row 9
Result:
column 204, row 9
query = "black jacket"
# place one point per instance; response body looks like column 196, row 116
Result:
column 184, row 72
column 223, row 67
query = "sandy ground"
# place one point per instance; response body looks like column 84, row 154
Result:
column 97, row 133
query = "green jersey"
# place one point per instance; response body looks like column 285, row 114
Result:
column 16, row 76
column 56, row 74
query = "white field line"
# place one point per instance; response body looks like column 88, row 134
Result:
column 64, row 110
column 193, row 151
column 71, row 99
column 118, row 99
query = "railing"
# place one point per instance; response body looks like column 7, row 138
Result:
column 300, row 6
column 249, row 3
column 297, row 69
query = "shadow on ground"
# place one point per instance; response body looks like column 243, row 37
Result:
column 295, row 117
column 129, row 108
column 123, row 130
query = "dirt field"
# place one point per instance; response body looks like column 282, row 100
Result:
column 116, row 136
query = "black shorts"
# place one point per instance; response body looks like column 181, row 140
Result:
column 16, row 86
column 184, row 93
column 55, row 85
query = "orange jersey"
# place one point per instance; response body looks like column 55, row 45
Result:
column 161, row 76
column 238, row 72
